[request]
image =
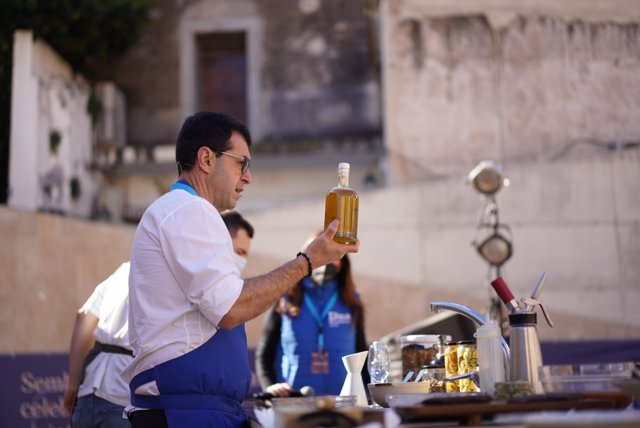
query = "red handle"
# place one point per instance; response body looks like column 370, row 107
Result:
column 502, row 289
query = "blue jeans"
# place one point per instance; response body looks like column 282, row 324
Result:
column 95, row 412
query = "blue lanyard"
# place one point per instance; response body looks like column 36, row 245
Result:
column 181, row 184
column 319, row 318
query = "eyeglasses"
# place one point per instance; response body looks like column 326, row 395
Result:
column 245, row 161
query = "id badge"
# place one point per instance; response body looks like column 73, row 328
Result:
column 319, row 362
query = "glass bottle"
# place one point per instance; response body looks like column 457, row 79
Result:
column 342, row 203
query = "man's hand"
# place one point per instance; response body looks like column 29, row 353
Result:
column 324, row 249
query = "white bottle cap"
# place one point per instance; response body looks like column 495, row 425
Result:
column 344, row 165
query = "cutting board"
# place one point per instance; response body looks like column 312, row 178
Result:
column 472, row 413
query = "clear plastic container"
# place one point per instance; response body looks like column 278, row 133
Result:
column 490, row 356
column 585, row 377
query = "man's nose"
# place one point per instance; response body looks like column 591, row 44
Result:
column 246, row 177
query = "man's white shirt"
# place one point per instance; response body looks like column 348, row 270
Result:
column 108, row 303
column 183, row 279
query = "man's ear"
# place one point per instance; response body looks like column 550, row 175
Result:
column 205, row 159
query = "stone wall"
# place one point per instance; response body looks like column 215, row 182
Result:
column 508, row 81
column 50, row 265
column 312, row 68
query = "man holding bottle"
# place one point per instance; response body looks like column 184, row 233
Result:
column 188, row 304
column 96, row 394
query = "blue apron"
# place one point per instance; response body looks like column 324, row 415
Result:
column 204, row 387
column 299, row 339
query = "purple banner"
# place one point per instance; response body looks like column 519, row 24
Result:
column 31, row 391
column 32, row 387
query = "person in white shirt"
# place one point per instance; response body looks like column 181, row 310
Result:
column 187, row 302
column 96, row 394
column 100, row 343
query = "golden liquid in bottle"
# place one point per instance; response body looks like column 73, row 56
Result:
column 342, row 203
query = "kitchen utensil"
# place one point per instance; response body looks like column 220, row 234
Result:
column 312, row 402
column 539, row 286
column 490, row 361
column 505, row 294
column 526, row 356
column 407, row 377
column 528, row 307
column 419, row 375
column 380, row 391
column 353, row 384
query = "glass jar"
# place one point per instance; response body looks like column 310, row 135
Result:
column 417, row 350
column 451, row 365
column 434, row 374
column 467, row 362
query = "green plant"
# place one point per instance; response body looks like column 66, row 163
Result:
column 89, row 34
column 94, row 107
column 54, row 141
column 76, row 191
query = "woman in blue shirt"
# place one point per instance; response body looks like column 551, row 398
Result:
column 309, row 331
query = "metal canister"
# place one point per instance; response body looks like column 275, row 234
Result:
column 451, row 365
column 467, row 362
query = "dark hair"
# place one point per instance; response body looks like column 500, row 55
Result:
column 235, row 221
column 206, row 129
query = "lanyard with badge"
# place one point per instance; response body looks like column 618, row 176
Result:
column 320, row 358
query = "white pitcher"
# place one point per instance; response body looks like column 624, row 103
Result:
column 353, row 384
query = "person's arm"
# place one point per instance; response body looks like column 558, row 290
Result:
column 261, row 292
column 267, row 349
column 81, row 342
